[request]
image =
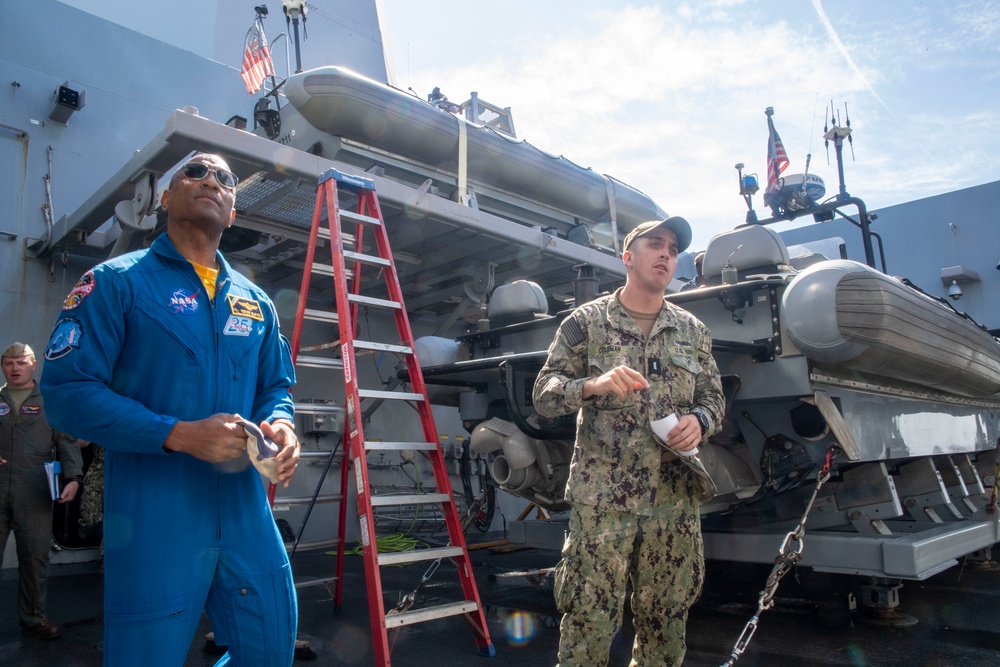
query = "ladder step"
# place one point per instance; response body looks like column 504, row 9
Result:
column 320, row 455
column 305, row 500
column 397, row 395
column 372, row 301
column 321, row 315
column 319, row 362
column 395, row 620
column 361, row 219
column 410, row 499
column 327, row 270
column 383, row 347
column 416, row 555
column 313, row 545
column 318, row 408
column 314, row 581
column 347, row 239
column 372, row 445
column 374, row 260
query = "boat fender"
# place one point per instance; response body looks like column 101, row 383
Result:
column 810, row 322
column 438, row 351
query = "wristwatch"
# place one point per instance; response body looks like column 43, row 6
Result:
column 703, row 420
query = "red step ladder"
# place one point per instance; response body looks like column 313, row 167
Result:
column 346, row 247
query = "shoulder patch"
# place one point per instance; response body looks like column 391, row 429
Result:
column 573, row 332
column 65, row 338
column 80, row 291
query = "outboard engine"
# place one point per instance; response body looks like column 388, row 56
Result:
column 533, row 469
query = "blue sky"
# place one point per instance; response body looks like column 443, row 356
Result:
column 668, row 96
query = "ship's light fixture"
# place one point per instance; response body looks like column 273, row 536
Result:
column 67, row 101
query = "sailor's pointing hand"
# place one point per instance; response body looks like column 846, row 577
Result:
column 621, row 381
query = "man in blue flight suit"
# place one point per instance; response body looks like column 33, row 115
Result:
column 156, row 355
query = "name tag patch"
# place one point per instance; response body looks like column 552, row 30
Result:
column 239, row 305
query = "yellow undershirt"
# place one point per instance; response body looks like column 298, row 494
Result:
column 208, row 278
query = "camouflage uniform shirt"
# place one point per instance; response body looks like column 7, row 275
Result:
column 616, row 461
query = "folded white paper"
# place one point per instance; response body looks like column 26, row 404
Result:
column 662, row 427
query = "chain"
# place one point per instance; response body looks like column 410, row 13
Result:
column 407, row 600
column 789, row 554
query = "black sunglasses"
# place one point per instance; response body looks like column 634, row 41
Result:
column 197, row 171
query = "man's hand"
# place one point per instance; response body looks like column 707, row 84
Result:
column 69, row 491
column 215, row 439
column 288, row 458
column 621, row 381
column 686, row 435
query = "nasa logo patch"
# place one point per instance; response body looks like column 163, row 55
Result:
column 4, row 409
column 65, row 338
column 184, row 302
column 238, row 326
column 80, row 291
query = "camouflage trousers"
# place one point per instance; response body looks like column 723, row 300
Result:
column 661, row 555
column 92, row 499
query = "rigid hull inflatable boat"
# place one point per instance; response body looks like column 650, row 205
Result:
column 341, row 103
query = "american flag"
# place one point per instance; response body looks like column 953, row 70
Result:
column 257, row 63
column 777, row 158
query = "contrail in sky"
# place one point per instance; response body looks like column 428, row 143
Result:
column 847, row 56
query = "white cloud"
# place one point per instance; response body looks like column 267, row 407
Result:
column 668, row 98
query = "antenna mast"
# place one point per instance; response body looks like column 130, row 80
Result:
column 837, row 133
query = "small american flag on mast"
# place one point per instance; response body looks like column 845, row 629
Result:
column 777, row 158
column 257, row 64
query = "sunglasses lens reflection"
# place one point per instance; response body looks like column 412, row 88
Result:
column 198, row 171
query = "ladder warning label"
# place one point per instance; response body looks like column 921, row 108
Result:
column 358, row 478
column 352, row 422
column 364, row 530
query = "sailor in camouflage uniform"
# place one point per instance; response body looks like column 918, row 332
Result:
column 622, row 361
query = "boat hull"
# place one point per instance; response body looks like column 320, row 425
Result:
column 342, row 103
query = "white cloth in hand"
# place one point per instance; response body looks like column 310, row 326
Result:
column 262, row 451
